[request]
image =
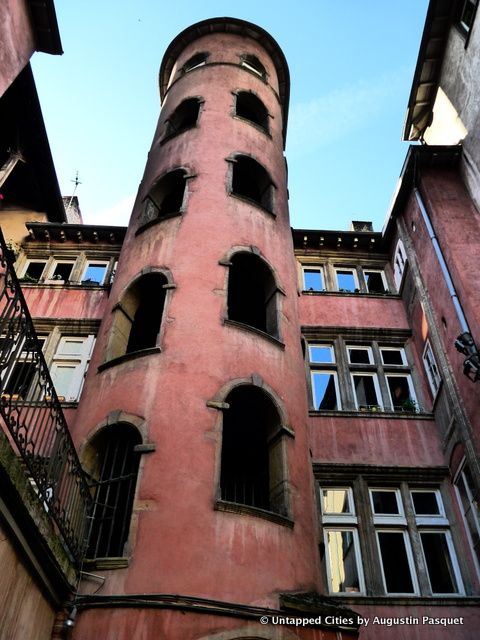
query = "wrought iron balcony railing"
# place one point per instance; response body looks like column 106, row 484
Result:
column 32, row 417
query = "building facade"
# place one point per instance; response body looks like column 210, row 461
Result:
column 277, row 430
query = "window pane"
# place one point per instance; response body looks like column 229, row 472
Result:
column 396, row 568
column 95, row 273
column 392, row 356
column 365, row 391
column 359, row 355
column 400, row 393
column 62, row 271
column 385, row 502
column 313, row 280
column 336, row 501
column 62, row 376
column 71, row 347
column 425, row 503
column 346, row 281
column 324, row 391
column 321, row 354
column 34, row 270
column 439, row 562
column 342, row 562
column 374, row 282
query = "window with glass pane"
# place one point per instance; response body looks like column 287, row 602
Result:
column 359, row 355
column 62, row 271
column 366, row 394
column 313, row 280
column 95, row 272
column 337, row 501
column 385, row 502
column 401, row 393
column 430, row 364
column 321, row 353
column 392, row 356
column 343, row 561
column 396, row 562
column 470, row 509
column 34, row 270
column 346, row 280
column 425, row 503
column 375, row 281
column 325, row 394
column 70, row 364
column 440, row 569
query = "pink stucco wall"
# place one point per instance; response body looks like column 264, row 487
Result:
column 16, row 40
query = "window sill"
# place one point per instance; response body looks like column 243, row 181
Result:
column 127, row 357
column 247, row 510
column 398, row 415
column 258, row 332
column 252, row 203
column 352, row 294
column 258, row 127
column 173, row 135
column 63, row 284
column 105, row 564
column 152, row 223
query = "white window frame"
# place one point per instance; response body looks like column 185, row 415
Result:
column 79, row 362
column 35, row 260
column 403, row 356
column 335, row 516
column 411, row 388
column 351, row 270
column 51, row 269
column 400, row 262
column 453, row 559
column 366, row 348
column 375, row 384
column 358, row 560
column 322, row 346
column 316, row 269
column 471, row 506
column 396, row 519
column 428, row 519
column 382, row 274
column 96, row 263
column 337, row 389
column 431, row 369
column 409, row 554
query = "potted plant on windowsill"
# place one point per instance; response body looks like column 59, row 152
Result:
column 409, row 406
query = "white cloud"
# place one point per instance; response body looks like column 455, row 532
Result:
column 117, row 214
column 323, row 120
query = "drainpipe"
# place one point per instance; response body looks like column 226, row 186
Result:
column 465, row 342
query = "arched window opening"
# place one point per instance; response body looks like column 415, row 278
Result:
column 251, row 108
column 252, row 63
column 251, row 180
column 198, row 60
column 165, row 199
column 252, row 293
column 138, row 316
column 253, row 464
column 184, row 117
column 112, row 464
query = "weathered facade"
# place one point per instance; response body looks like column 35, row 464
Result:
column 278, row 439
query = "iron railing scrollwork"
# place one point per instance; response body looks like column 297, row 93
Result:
column 33, row 420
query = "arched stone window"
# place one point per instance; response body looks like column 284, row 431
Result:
column 250, row 180
column 138, row 316
column 252, row 293
column 198, row 60
column 253, row 462
column 252, row 63
column 251, row 108
column 112, row 463
column 165, row 198
column 184, row 117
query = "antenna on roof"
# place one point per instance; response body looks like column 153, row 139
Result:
column 76, row 183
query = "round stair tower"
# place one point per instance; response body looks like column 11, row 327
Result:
column 200, row 352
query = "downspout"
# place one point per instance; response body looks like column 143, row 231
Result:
column 464, row 343
column 443, row 265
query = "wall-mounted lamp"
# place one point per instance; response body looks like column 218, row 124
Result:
column 466, row 344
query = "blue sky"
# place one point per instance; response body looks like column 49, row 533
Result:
column 351, row 67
